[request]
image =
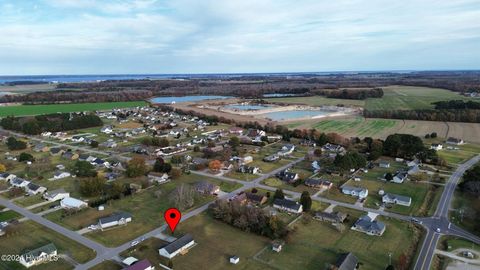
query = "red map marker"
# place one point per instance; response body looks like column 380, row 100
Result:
column 172, row 217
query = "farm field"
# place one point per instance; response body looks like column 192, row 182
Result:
column 21, row 110
column 398, row 97
column 32, row 235
column 306, row 252
column 381, row 128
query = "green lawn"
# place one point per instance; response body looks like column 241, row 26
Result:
column 30, row 235
column 147, row 210
column 449, row 243
column 315, row 245
column 75, row 107
column 216, row 242
column 107, row 265
column 8, row 215
column 466, row 212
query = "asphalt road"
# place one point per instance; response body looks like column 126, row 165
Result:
column 440, row 221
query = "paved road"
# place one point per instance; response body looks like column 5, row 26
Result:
column 440, row 221
column 98, row 248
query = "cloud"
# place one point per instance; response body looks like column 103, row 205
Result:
column 93, row 36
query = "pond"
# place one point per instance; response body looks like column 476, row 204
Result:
column 287, row 115
column 247, row 107
column 185, row 99
column 280, row 95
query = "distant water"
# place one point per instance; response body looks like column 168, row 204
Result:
column 287, row 115
column 185, row 99
column 96, row 77
column 279, row 95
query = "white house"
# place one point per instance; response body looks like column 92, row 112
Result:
column 38, row 256
column 56, row 195
column 160, row 178
column 399, row 177
column 120, row 218
column 72, row 203
column 288, row 205
column 60, row 175
column 106, row 129
column 396, row 199
column 7, row 176
column 436, row 146
column 19, row 182
column 181, row 245
column 383, row 164
column 355, row 191
column 34, row 189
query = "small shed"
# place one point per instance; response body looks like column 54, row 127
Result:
column 234, row 259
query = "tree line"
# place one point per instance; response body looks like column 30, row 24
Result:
column 359, row 94
column 50, row 122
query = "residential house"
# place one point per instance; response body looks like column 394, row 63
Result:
column 60, row 175
column 287, row 176
column 34, row 189
column 318, row 183
column 140, row 265
column 256, row 199
column 399, row 177
column 248, row 169
column 383, row 164
column 288, row 205
column 100, row 163
column 106, row 129
column 38, row 256
column 56, row 195
column 413, row 170
column 436, row 146
column 19, row 182
column 205, row 187
column 72, row 203
column 70, row 155
column 109, row 144
column 116, row 219
column 334, row 148
column 160, row 178
column 359, row 192
column 347, row 261
column 454, row 141
column 77, row 139
column 271, row 158
column 236, row 131
column 7, row 176
column 277, row 246
column 286, row 150
column 56, row 151
column 242, row 160
column 41, row 148
column 316, row 166
column 369, row 226
column 181, row 245
column 397, row 199
column 335, row 217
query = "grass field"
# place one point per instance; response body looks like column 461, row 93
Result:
column 20, row 110
column 31, row 235
column 8, row 215
column 216, row 242
column 410, row 98
column 315, row 245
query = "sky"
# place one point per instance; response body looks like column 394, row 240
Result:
column 236, row 36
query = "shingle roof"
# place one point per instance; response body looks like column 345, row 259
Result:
column 115, row 217
column 347, row 261
column 179, row 243
column 33, row 254
column 140, row 265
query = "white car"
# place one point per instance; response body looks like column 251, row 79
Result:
column 438, row 230
column 134, row 243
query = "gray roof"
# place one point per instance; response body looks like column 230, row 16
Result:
column 287, row 204
column 31, row 255
column 179, row 243
column 398, row 197
column 115, row 217
column 33, row 186
column 366, row 224
column 347, row 261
